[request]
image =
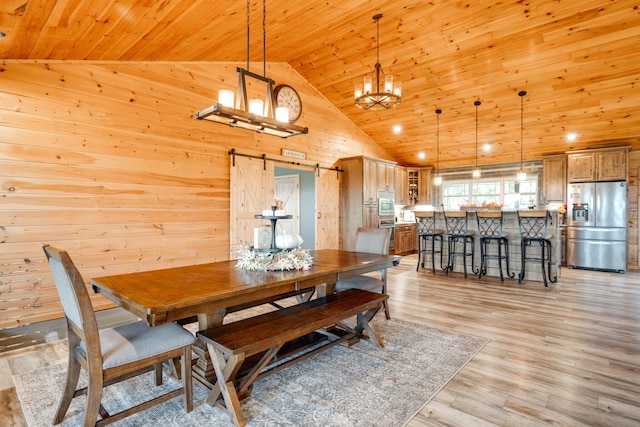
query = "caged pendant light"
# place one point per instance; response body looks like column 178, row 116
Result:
column 437, row 180
column 379, row 92
column 476, row 171
column 522, row 175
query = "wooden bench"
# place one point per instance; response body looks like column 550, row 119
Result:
column 264, row 335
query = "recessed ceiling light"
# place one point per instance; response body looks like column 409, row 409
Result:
column 486, row 147
column 421, row 155
column 571, row 136
column 397, row 129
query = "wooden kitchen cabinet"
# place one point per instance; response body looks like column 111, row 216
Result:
column 362, row 178
column 401, row 183
column 413, row 184
column 418, row 184
column 605, row 164
column 554, row 178
column 425, row 186
column 406, row 239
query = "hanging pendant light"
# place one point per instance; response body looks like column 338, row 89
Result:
column 386, row 93
column 253, row 114
column 522, row 175
column 437, row 180
column 476, row 171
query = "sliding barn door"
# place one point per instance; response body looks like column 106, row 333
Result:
column 251, row 193
column 328, row 210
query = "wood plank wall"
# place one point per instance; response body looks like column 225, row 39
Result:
column 106, row 160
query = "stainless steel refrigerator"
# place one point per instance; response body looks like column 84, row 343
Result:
column 597, row 226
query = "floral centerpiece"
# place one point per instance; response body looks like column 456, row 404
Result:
column 287, row 259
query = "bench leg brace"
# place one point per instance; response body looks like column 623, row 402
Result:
column 363, row 324
column 226, row 370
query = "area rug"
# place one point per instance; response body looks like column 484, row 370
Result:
column 361, row 385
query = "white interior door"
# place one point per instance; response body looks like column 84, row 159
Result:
column 287, row 189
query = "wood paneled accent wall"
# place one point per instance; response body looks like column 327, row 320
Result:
column 105, row 160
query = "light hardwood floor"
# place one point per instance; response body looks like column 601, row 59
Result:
column 567, row 355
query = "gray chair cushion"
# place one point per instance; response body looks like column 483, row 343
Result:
column 136, row 341
column 365, row 283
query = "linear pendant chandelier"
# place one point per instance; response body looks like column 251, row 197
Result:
column 379, row 92
column 254, row 114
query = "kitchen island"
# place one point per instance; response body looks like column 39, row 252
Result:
column 511, row 231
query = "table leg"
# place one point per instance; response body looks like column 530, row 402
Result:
column 204, row 367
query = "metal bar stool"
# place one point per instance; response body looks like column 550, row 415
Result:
column 490, row 231
column 533, row 233
column 457, row 232
column 427, row 232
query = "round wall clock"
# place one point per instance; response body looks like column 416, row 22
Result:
column 286, row 96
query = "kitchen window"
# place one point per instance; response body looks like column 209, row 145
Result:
column 507, row 191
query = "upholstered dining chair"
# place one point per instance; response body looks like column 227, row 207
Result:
column 114, row 354
column 374, row 241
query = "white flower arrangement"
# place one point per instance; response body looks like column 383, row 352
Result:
column 291, row 259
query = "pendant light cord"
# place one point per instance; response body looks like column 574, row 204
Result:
column 521, row 94
column 248, row 33
column 377, row 18
column 264, row 37
column 477, row 103
column 438, row 111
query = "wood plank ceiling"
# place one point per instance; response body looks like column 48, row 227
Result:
column 579, row 61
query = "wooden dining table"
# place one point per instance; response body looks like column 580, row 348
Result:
column 212, row 290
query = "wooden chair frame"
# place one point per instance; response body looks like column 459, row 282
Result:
column 85, row 352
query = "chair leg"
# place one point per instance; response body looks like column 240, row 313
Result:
column 483, row 261
column 472, row 242
column 510, row 275
column 500, row 259
column 187, row 384
column 157, row 368
column 73, row 373
column 523, row 245
column 419, row 253
column 386, row 309
column 450, row 246
column 433, row 254
column 94, row 395
column 542, row 262
column 464, row 256
column 553, row 279
column 441, row 251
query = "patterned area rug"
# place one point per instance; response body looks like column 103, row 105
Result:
column 360, row 385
